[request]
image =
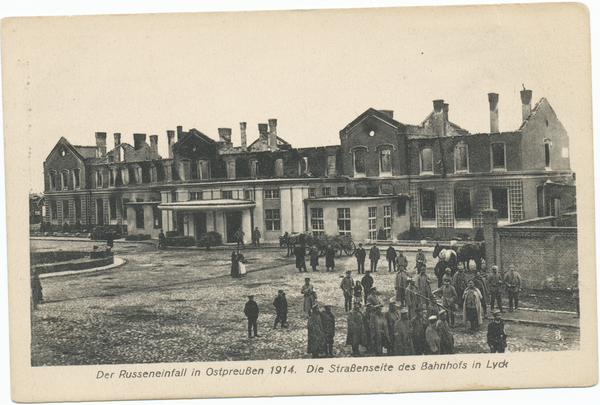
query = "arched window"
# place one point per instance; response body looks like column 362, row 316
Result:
column 52, row 179
column 385, row 161
column 64, row 180
column 547, row 145
column 99, row 179
column 360, row 169
column 77, row 178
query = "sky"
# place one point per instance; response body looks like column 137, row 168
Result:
column 313, row 79
column 313, row 71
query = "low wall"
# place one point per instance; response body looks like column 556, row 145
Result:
column 83, row 264
column 57, row 256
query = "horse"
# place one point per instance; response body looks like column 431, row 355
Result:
column 471, row 251
column 291, row 240
column 448, row 258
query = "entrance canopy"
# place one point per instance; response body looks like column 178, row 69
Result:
column 208, row 205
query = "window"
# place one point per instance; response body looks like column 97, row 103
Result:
column 326, row 191
column 196, row 195
column 112, row 204
column 331, row 165
column 312, row 192
column 231, row 170
column 139, row 200
column 341, row 191
column 77, row 178
column 316, row 221
column 272, row 220
column 254, row 169
column 387, row 221
column 138, row 175
column 500, row 202
column 227, row 194
column 426, row 160
column 157, row 217
column 203, row 170
column 111, row 178
column 247, row 194
column 344, row 221
column 279, row 167
column 359, row 162
column 547, row 144
column 461, row 158
column 65, row 211
column 125, row 201
column 303, row 166
column 428, row 205
column 372, row 223
column 385, row 161
column 139, row 218
column 77, row 203
column 53, row 211
column 98, row 179
column 64, row 180
column 272, row 193
column 462, row 204
column 52, row 181
column 498, row 156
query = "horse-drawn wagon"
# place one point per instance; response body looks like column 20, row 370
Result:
column 339, row 243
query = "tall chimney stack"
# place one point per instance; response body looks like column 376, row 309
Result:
column 438, row 117
column 225, row 135
column 179, row 133
column 273, row 134
column 171, row 141
column 493, row 99
column 154, row 143
column 117, row 139
column 138, row 140
column 244, row 140
column 263, row 133
column 100, row 144
column 526, row 100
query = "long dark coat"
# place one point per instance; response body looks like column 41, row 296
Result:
column 316, row 336
column 357, row 334
column 446, row 338
column 403, row 338
column 330, row 258
column 391, row 318
column 380, row 336
column 328, row 321
column 235, row 267
column 419, row 327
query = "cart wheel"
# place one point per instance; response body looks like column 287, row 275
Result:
column 337, row 249
column 350, row 249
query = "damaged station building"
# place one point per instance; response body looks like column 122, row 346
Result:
column 384, row 179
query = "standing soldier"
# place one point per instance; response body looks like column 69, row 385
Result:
column 391, row 317
column 357, row 335
column 472, row 306
column 316, row 336
column 281, row 308
column 239, row 237
column 300, row 260
column 251, row 311
column 403, row 335
column 309, row 295
column 449, row 298
column 512, row 280
column 459, row 281
column 357, row 292
column 367, row 283
column 390, row 255
column 411, row 298
column 422, row 282
column 314, row 257
column 328, row 322
column 256, row 237
column 380, row 337
column 161, row 239
column 421, row 260
column 446, row 338
column 432, row 336
column 496, row 338
column 347, row 287
column 419, row 327
column 495, row 285
column 401, row 262
column 330, row 258
column 360, row 255
column 400, row 285
column 481, row 285
column 36, row 289
column 374, row 255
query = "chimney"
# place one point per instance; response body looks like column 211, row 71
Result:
column 100, row 144
column 438, row 117
column 389, row 113
column 171, row 141
column 117, row 139
column 225, row 135
column 526, row 100
column 273, row 134
column 493, row 98
column 263, row 131
column 138, row 140
column 244, row 141
column 445, row 108
column 154, row 143
column 179, row 133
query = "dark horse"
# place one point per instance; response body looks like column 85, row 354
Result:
column 466, row 253
column 291, row 240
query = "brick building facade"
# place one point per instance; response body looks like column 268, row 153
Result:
column 383, row 179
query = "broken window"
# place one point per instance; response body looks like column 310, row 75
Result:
column 359, row 162
column 498, row 156
column 385, row 161
column 461, row 158
column 428, row 204
column 462, row 203
column 426, row 160
column 500, row 202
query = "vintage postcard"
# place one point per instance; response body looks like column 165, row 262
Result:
column 292, row 203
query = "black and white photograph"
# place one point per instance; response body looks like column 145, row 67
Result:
column 242, row 203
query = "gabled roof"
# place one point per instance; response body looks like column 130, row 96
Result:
column 190, row 136
column 88, row 152
column 371, row 112
column 62, row 142
column 532, row 113
column 280, row 142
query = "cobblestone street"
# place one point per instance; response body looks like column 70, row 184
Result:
column 181, row 305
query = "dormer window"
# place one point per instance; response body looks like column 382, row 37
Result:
column 203, row 170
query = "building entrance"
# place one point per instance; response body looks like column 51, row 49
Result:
column 199, row 224
column 233, row 223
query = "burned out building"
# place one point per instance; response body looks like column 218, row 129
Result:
column 383, row 179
